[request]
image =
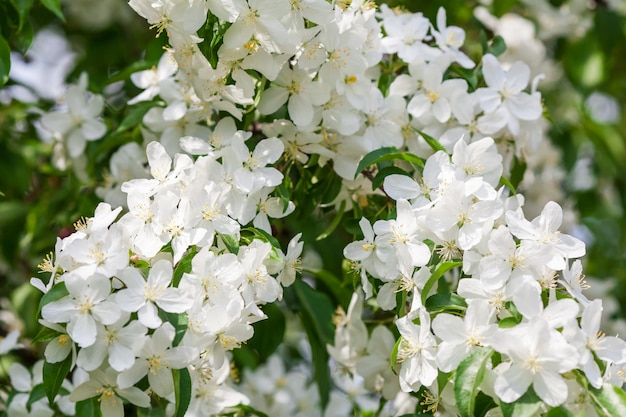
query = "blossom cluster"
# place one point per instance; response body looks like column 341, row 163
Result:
column 514, row 271
column 157, row 292
column 174, row 283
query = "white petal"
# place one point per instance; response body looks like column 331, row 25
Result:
column 512, row 384
column 551, row 388
column 272, row 99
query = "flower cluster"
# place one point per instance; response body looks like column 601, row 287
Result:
column 518, row 293
column 151, row 298
column 175, row 282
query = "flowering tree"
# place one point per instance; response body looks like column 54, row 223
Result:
column 202, row 283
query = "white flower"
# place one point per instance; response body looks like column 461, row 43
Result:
column 297, row 88
column 591, row 342
column 80, row 122
column 156, row 359
column 416, row 352
column 543, row 231
column 111, row 397
column 119, row 341
column 144, row 296
column 87, row 303
column 504, row 92
column 461, row 336
column 10, row 343
column 539, row 356
column 292, row 261
column 150, row 80
column 374, row 365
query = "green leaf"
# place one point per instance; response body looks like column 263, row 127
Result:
column 23, row 8
column 263, row 235
column 316, row 313
column 432, row 142
column 442, row 268
column 250, row 410
column 498, row 46
column 508, row 322
column 53, row 376
column 183, row 266
column 268, row 333
column 231, row 244
column 469, row 374
column 36, row 394
column 526, row 406
column 334, row 285
column 517, row 172
column 55, row 7
column 57, row 292
column 385, row 172
column 387, row 154
column 182, row 391
column 437, row 303
column 609, row 400
column 89, row 407
column 394, row 355
column 135, row 116
column 180, row 322
column 336, row 221
column 559, row 412
column 45, row 334
column 5, row 61
column 508, row 185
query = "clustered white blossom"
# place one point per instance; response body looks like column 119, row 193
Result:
column 511, row 269
column 175, row 282
column 123, row 279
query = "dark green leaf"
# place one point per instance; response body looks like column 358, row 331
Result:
column 526, row 406
column 432, row 142
column 88, row 408
column 53, row 376
column 36, row 394
column 468, row 377
column 57, row 292
column 5, row 61
column 183, row 266
column 559, row 412
column 250, row 410
column 387, row 154
column 333, row 284
column 517, row 172
column 445, row 302
column 55, row 7
column 263, row 235
column 182, row 391
column 231, row 244
column 609, row 400
column 394, row 355
column 180, row 322
column 316, row 315
column 23, row 8
column 442, row 268
column 336, row 221
column 136, row 115
column 508, row 185
column 498, row 46
column 268, row 333
column 508, row 322
column 45, row 334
